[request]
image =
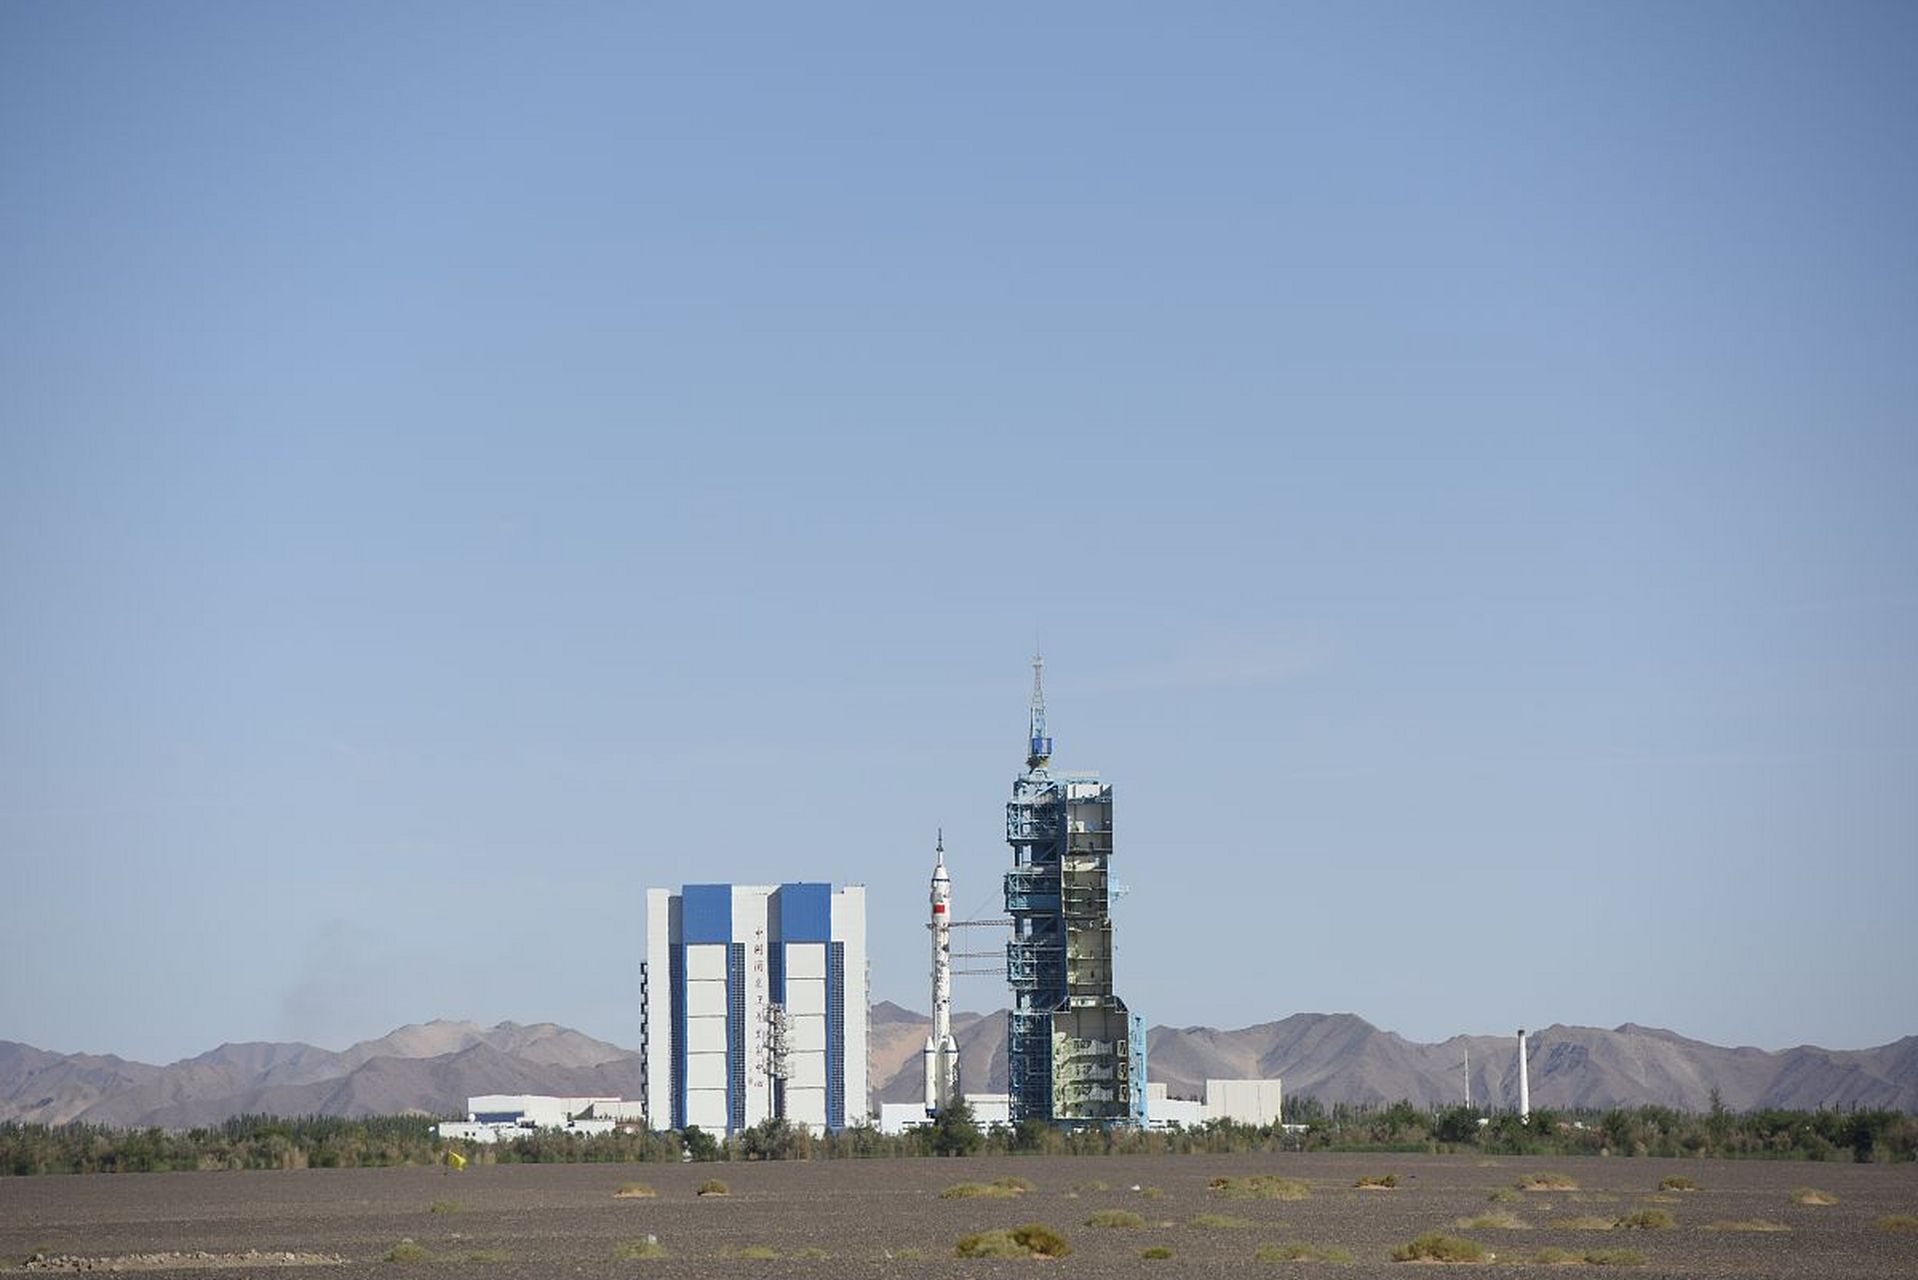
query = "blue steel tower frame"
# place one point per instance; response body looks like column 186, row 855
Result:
column 1074, row 1054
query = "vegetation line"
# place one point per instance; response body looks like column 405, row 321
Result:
column 320, row 1142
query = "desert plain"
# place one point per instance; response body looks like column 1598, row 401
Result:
column 888, row 1218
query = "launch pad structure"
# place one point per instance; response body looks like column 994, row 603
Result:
column 1074, row 1054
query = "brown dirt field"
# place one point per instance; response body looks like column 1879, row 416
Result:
column 533, row 1220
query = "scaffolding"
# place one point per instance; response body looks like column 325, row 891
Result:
column 1072, row 1051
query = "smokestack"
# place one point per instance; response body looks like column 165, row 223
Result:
column 1524, row 1083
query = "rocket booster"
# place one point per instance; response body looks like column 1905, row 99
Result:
column 942, row 1051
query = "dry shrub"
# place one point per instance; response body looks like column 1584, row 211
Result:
column 407, row 1251
column 1615, row 1258
column 714, row 1187
column 1812, row 1195
column 1434, row 1246
column 1747, row 1224
column 1373, row 1182
column 1547, row 1181
column 1676, row 1183
column 1898, row 1222
column 1647, row 1220
column 1495, row 1220
column 1222, row 1222
column 634, row 1191
column 1299, row 1251
column 1583, row 1223
column 639, row 1250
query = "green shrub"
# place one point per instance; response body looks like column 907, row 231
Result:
column 1747, row 1224
column 1370, row 1182
column 1435, row 1247
column 1094, row 1185
column 1034, row 1240
column 1505, row 1195
column 639, row 1250
column 1555, row 1257
column 444, row 1206
column 1221, row 1222
column 980, row 1191
column 1041, row 1241
column 1157, row 1253
column 990, row 1244
column 407, row 1251
column 1583, row 1223
column 714, row 1187
column 1647, row 1220
column 1261, row 1186
column 812, row 1253
column 1115, row 1218
column 1299, row 1251
column 753, row 1252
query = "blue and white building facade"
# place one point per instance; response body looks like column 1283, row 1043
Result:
column 754, row 1005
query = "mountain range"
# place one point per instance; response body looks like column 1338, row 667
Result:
column 434, row 1067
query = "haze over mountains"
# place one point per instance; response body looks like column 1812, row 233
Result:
column 434, row 1067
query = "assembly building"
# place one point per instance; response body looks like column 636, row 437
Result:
column 754, row 1006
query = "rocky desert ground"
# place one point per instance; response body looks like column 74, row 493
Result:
column 1745, row 1219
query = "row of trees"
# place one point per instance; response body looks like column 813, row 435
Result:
column 269, row 1142
column 241, row 1142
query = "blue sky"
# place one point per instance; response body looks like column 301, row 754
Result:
column 462, row 465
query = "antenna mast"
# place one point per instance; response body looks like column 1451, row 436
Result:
column 1039, row 746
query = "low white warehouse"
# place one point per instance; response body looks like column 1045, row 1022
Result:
column 1254, row 1102
column 495, row 1116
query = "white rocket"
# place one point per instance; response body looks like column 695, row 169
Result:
column 1524, row 1082
column 942, row 1051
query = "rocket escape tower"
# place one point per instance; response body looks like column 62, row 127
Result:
column 1075, row 1056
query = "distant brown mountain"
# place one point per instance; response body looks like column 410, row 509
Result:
column 428, row 1067
column 434, row 1067
column 1342, row 1058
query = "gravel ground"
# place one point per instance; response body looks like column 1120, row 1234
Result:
column 532, row 1220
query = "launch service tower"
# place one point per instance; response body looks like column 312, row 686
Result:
column 1075, row 1056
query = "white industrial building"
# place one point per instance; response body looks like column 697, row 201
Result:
column 497, row 1117
column 754, row 1005
column 987, row 1109
column 1254, row 1102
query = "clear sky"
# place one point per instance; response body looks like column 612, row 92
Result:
column 462, row 464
